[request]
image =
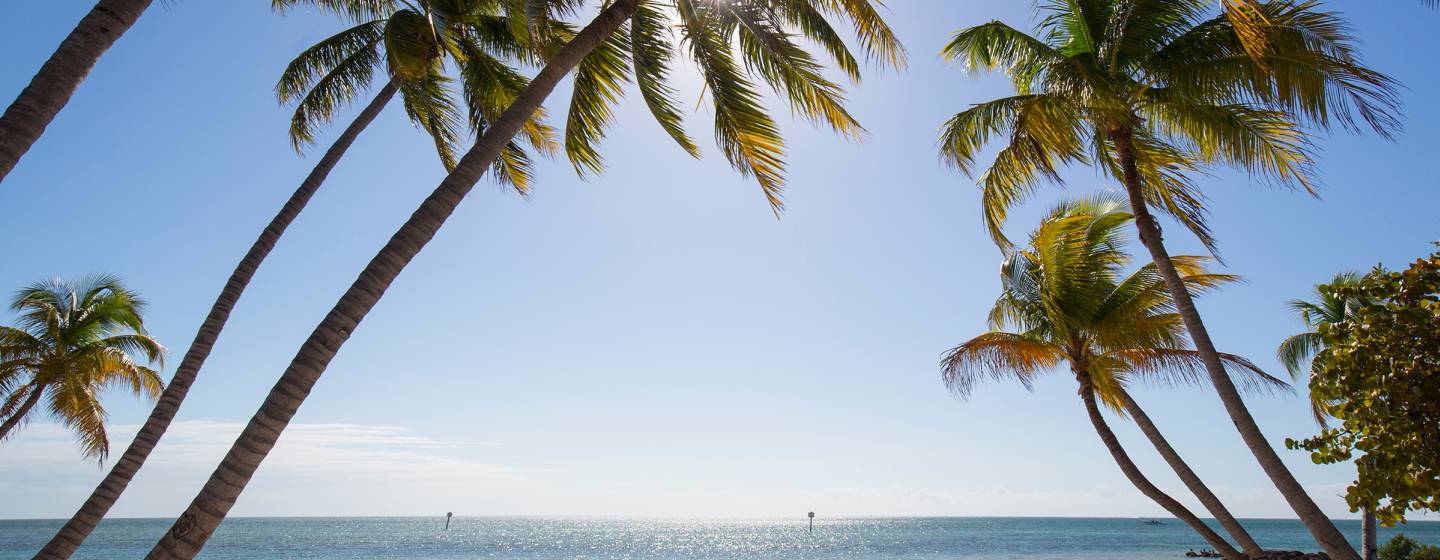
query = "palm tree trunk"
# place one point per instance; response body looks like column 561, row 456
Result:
column 1191, row 480
column 190, row 531
column 26, row 118
column 1326, row 535
column 1132, row 472
column 64, row 543
column 1368, row 527
column 14, row 419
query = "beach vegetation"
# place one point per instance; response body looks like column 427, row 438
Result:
column 737, row 47
column 72, row 341
column 1153, row 95
column 1067, row 301
column 408, row 53
column 1378, row 374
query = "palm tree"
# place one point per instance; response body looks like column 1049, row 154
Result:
column 1065, row 301
column 1151, row 93
column 70, row 342
column 324, row 78
column 636, row 32
column 48, row 92
column 1302, row 349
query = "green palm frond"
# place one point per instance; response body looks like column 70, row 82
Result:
column 430, row 104
column 652, row 53
column 515, row 168
column 1187, row 85
column 1067, row 300
column 352, row 10
column 599, row 84
column 490, row 86
column 1264, row 142
column 790, row 70
column 805, row 17
column 1174, row 366
column 1296, row 351
column 744, row 131
column 876, row 37
column 71, row 341
column 328, row 76
column 996, row 45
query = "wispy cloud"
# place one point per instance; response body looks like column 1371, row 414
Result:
column 314, row 469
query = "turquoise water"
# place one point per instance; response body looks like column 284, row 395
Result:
column 412, row 538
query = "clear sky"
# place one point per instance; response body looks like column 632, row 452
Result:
column 652, row 341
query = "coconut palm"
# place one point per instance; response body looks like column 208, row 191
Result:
column 71, row 341
column 410, row 49
column 1151, row 93
column 734, row 44
column 1301, row 350
column 48, row 92
column 1066, row 301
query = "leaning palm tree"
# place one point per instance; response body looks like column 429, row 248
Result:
column 70, row 342
column 48, row 92
column 733, row 43
column 410, row 48
column 1300, row 354
column 1066, row 301
column 1151, row 93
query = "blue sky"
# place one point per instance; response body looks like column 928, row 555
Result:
column 651, row 341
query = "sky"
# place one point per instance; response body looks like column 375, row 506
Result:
column 650, row 341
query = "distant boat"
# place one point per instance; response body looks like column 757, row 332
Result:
column 1154, row 522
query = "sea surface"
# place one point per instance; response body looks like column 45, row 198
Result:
column 911, row 538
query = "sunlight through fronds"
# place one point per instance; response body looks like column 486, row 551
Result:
column 1192, row 88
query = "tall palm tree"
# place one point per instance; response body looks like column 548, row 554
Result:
column 1301, row 350
column 1150, row 93
column 406, row 47
column 1067, row 301
column 70, row 342
column 634, row 31
column 26, row 118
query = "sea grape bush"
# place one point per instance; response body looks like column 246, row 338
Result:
column 1380, row 377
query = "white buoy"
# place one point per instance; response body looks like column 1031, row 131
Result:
column 812, row 522
column 448, row 515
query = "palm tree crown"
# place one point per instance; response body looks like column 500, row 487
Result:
column 1066, row 300
column 411, row 44
column 71, row 340
column 1300, row 350
column 1176, row 76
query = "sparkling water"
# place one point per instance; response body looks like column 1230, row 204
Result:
column 425, row 538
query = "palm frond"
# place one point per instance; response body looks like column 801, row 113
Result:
column 599, row 84
column 328, row 76
column 651, row 52
column 744, row 131
column 997, row 356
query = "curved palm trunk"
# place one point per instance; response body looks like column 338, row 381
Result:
column 190, row 531
column 1132, row 472
column 1191, row 480
column 1320, row 526
column 14, row 419
column 26, row 118
column 75, row 531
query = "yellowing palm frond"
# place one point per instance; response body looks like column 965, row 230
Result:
column 998, row 356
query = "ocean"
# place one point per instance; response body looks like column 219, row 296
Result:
column 911, row 538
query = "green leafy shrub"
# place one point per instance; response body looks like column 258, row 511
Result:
column 1426, row 552
column 1399, row 548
